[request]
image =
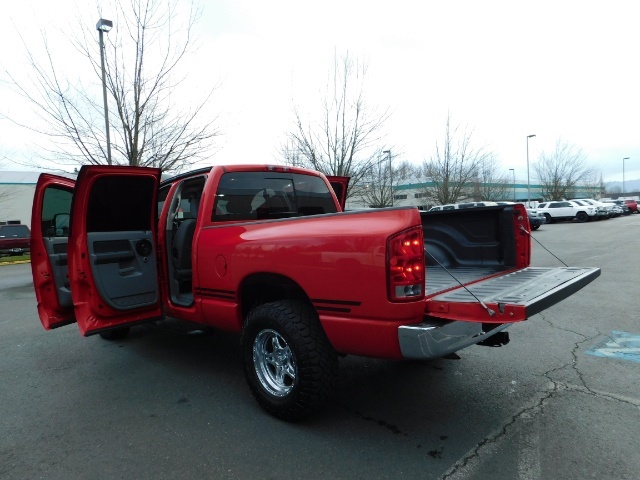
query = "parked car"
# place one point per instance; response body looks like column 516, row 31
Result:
column 533, row 212
column 457, row 206
column 14, row 239
column 601, row 210
column 535, row 221
column 623, row 206
column 566, row 210
column 617, row 209
column 604, row 209
column 633, row 205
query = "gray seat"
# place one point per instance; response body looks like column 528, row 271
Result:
column 183, row 246
column 240, row 206
column 276, row 204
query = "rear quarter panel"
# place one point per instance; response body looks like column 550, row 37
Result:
column 339, row 260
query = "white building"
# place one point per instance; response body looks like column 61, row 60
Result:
column 16, row 195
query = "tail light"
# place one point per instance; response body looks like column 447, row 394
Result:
column 405, row 265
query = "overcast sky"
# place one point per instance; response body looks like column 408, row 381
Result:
column 566, row 70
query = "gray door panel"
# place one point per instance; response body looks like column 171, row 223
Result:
column 123, row 265
column 57, row 252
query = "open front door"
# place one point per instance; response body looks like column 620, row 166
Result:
column 49, row 236
column 112, row 247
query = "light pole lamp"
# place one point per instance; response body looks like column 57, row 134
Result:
column 623, row 189
column 388, row 152
column 528, row 180
column 513, row 170
column 104, row 26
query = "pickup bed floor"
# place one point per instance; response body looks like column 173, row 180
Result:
column 439, row 279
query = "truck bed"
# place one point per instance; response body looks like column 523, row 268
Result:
column 470, row 257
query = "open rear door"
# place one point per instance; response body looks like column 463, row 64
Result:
column 49, row 236
column 112, row 247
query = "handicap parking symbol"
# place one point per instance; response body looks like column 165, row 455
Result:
column 618, row 345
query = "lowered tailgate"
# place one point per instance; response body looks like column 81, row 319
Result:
column 500, row 297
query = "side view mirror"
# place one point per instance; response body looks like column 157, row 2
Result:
column 61, row 224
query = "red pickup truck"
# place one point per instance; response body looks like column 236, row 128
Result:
column 269, row 253
column 14, row 239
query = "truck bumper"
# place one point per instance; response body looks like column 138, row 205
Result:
column 434, row 338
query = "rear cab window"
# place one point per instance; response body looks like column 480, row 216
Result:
column 258, row 196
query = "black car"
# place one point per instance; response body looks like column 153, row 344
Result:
column 535, row 221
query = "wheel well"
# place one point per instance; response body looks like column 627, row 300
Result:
column 262, row 288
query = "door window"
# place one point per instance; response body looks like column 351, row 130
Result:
column 120, row 204
column 54, row 221
column 56, row 208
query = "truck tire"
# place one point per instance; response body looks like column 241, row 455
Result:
column 289, row 364
column 582, row 217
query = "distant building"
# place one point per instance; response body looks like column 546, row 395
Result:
column 16, row 195
column 414, row 195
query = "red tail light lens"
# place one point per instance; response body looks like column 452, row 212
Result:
column 405, row 265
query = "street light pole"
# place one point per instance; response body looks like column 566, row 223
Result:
column 388, row 152
column 623, row 189
column 104, row 26
column 513, row 170
column 528, row 181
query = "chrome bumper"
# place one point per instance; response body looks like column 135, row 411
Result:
column 435, row 339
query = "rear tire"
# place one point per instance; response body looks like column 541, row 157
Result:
column 289, row 364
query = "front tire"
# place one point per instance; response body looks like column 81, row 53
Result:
column 289, row 364
column 582, row 217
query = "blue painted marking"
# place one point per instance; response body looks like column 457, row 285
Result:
column 620, row 345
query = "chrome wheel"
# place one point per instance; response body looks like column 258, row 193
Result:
column 288, row 361
column 274, row 363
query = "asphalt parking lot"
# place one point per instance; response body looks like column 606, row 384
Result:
column 561, row 401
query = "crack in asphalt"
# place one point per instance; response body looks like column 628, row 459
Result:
column 495, row 436
column 553, row 387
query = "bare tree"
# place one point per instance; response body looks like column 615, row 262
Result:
column 143, row 55
column 379, row 184
column 560, row 171
column 345, row 141
column 452, row 173
column 592, row 186
column 494, row 184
